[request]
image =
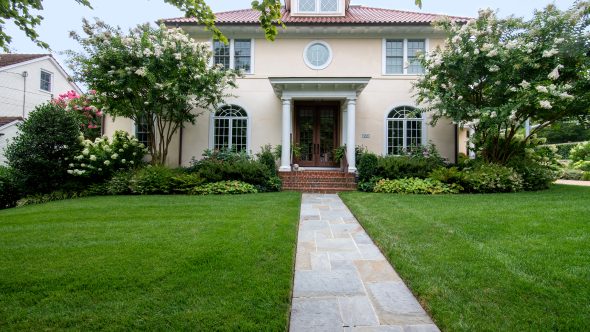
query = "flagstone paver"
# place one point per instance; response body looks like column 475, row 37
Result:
column 342, row 281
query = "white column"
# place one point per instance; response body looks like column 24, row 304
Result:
column 471, row 145
column 351, row 134
column 286, row 141
column 344, row 118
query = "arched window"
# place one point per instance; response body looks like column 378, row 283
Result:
column 404, row 129
column 230, row 128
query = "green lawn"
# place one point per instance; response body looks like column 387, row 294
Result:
column 502, row 262
column 149, row 263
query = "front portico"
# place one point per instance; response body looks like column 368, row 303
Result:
column 340, row 91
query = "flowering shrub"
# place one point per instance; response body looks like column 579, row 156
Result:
column 89, row 115
column 494, row 74
column 102, row 157
column 151, row 73
column 416, row 186
column 224, row 188
column 492, row 178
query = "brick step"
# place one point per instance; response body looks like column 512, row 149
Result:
column 318, row 181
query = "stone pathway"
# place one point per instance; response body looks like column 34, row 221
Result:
column 342, row 281
column 574, row 182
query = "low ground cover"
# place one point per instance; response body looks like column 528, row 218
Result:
column 149, row 263
column 495, row 262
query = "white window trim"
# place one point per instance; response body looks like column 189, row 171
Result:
column 404, row 60
column 212, row 126
column 51, row 83
column 386, row 126
column 318, row 8
column 311, row 65
column 232, row 55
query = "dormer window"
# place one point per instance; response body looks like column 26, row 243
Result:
column 318, row 6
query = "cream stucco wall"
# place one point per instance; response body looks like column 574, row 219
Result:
column 352, row 57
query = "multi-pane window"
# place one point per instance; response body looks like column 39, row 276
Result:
column 307, row 5
column 230, row 129
column 401, row 56
column 142, row 131
column 45, row 84
column 237, row 54
column 317, row 55
column 404, row 129
column 329, row 5
column 242, row 54
column 415, row 46
column 394, row 56
column 221, row 54
column 314, row 6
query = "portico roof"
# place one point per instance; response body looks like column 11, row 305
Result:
column 318, row 87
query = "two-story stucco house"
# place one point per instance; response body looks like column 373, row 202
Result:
column 27, row 80
column 340, row 74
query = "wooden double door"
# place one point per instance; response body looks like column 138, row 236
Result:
column 316, row 133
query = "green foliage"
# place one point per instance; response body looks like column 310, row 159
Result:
column 493, row 74
column 226, row 165
column 159, row 74
column 367, row 164
column 492, row 178
column 416, row 186
column 154, row 180
column 9, row 193
column 450, row 175
column 267, row 157
column 98, row 160
column 534, row 175
column 564, row 132
column 224, row 188
column 572, row 174
column 564, row 149
column 582, row 165
column 183, row 183
column 586, row 176
column 40, row 154
column 369, row 185
column 120, row 183
column 339, row 153
column 581, row 152
column 398, row 167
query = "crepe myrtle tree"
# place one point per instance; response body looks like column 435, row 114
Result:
column 158, row 74
column 493, row 74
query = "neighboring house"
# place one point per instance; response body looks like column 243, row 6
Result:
column 8, row 130
column 27, row 80
column 339, row 74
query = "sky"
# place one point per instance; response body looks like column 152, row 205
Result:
column 63, row 16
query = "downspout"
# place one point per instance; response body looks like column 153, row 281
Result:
column 456, row 143
column 180, row 148
column 24, row 74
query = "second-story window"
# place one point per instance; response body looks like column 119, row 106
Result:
column 315, row 6
column 237, row 54
column 45, row 83
column 401, row 56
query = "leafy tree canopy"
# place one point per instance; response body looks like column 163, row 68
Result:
column 20, row 12
column 494, row 74
column 154, row 75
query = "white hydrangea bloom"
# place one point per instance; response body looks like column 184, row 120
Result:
column 554, row 74
column 542, row 89
column 93, row 157
column 550, row 53
column 545, row 104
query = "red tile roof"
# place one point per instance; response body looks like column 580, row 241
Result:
column 11, row 59
column 360, row 15
column 4, row 120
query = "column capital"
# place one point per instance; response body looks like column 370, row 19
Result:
column 351, row 100
column 286, row 100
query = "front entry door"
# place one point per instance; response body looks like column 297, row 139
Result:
column 317, row 134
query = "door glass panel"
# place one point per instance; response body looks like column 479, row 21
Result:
column 327, row 126
column 306, row 124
